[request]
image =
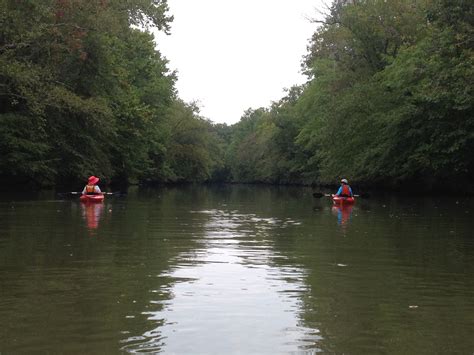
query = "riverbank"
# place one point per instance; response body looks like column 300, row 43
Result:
column 466, row 190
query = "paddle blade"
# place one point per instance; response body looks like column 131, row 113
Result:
column 363, row 195
column 118, row 193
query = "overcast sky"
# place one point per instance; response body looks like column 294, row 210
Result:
column 235, row 54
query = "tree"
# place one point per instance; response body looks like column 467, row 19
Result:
column 88, row 89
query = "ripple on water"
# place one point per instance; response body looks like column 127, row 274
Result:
column 226, row 291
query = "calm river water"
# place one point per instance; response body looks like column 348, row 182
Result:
column 236, row 269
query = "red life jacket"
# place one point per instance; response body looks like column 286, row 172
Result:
column 345, row 190
column 90, row 190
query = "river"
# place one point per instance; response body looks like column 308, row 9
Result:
column 236, row 269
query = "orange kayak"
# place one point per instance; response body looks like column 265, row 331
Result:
column 339, row 200
column 92, row 198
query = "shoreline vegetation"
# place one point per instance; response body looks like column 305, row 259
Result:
column 388, row 102
column 362, row 191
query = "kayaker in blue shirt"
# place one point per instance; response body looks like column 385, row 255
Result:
column 91, row 188
column 344, row 190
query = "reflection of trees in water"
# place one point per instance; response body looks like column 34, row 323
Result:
column 356, row 290
column 360, row 288
column 228, row 227
column 87, row 294
column 155, row 229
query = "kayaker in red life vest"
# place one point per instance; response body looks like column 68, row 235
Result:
column 345, row 190
column 91, row 188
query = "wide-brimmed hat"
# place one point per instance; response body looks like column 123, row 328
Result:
column 93, row 180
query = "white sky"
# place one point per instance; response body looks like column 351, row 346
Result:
column 235, row 54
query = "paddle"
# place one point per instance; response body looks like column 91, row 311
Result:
column 118, row 193
column 319, row 195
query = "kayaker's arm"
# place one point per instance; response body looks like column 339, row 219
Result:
column 339, row 191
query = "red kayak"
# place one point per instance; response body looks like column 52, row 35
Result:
column 340, row 201
column 92, row 198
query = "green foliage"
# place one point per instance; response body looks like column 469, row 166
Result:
column 246, row 147
column 435, row 138
column 192, row 151
column 85, row 92
column 23, row 149
column 389, row 101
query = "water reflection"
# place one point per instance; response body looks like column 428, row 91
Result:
column 343, row 214
column 92, row 213
column 228, row 294
column 236, row 270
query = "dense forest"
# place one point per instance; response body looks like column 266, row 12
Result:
column 85, row 90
